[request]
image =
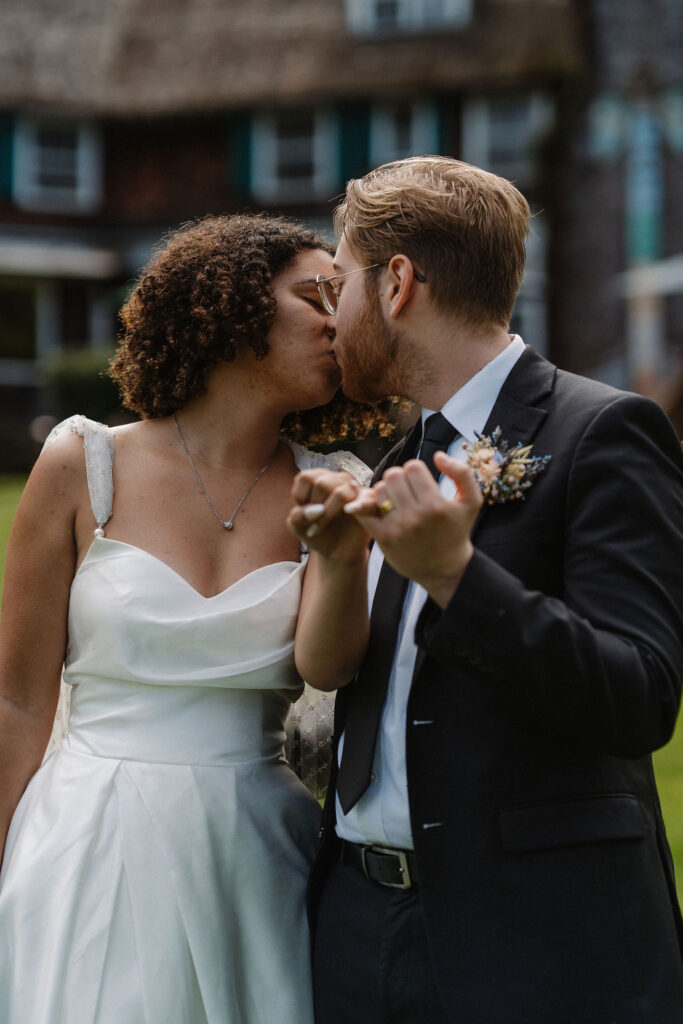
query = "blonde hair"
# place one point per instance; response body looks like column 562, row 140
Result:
column 464, row 228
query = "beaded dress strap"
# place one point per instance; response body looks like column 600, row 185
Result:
column 98, row 446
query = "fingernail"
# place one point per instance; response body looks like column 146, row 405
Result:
column 353, row 506
column 312, row 512
column 312, row 530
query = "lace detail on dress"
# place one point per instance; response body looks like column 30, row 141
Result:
column 339, row 461
column 311, row 720
column 98, row 445
column 61, row 722
column 308, row 747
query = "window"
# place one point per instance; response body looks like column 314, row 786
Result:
column 370, row 17
column 294, row 155
column 17, row 318
column 402, row 129
column 57, row 166
column 500, row 134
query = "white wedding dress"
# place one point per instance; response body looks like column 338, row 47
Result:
column 156, row 865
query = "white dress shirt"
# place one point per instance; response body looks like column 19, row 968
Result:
column 382, row 815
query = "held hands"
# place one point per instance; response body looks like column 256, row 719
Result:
column 318, row 517
column 422, row 534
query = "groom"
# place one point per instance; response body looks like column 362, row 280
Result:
column 493, row 850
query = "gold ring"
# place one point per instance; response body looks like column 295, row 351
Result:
column 385, row 507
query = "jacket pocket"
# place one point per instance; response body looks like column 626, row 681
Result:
column 595, row 819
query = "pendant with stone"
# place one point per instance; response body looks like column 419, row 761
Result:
column 228, row 524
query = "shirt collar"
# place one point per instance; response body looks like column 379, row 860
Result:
column 470, row 407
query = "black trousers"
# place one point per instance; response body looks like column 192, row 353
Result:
column 371, row 963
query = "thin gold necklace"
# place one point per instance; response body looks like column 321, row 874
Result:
column 225, row 523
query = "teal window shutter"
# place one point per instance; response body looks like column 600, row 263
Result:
column 239, row 153
column 354, row 141
column 6, row 154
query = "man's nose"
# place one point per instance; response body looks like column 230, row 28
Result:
column 331, row 325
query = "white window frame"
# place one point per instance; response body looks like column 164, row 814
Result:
column 265, row 182
column 424, row 132
column 411, row 16
column 30, row 194
column 478, row 142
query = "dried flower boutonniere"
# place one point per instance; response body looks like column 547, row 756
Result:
column 503, row 473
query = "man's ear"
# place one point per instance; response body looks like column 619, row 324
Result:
column 402, row 283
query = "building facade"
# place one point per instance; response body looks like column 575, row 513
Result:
column 117, row 122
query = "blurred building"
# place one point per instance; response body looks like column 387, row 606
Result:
column 118, row 120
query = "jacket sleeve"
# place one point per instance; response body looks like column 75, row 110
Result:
column 602, row 663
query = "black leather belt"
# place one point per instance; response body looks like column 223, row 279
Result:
column 382, row 864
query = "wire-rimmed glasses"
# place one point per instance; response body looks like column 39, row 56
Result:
column 328, row 289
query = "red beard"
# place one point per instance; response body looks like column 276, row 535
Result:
column 366, row 350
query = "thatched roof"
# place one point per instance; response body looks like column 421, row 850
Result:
column 116, row 57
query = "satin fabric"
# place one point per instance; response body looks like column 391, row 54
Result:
column 155, row 868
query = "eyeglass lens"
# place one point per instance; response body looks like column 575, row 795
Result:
column 328, row 296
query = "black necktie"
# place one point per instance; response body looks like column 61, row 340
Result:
column 366, row 701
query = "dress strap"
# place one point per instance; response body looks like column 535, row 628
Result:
column 98, row 445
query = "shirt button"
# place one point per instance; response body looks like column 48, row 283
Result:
column 373, row 776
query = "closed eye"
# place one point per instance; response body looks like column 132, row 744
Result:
column 316, row 305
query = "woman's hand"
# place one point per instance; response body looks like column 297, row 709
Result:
column 318, row 516
column 332, row 631
column 422, row 534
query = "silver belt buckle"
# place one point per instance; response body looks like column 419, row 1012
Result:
column 402, row 865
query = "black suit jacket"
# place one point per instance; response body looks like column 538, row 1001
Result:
column 538, row 696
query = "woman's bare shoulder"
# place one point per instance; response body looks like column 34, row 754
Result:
column 59, row 475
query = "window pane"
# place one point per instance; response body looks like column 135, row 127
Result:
column 295, row 172
column 56, row 158
column 403, row 129
column 17, row 319
column 294, row 146
column 387, row 12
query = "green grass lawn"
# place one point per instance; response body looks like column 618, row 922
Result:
column 10, row 491
column 668, row 762
column 669, row 772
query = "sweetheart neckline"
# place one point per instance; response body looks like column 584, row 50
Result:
column 174, row 572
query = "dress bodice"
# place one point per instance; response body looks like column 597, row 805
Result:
column 160, row 673
column 133, row 618
column 135, row 625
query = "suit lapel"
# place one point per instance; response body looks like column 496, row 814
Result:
column 516, row 410
column 517, row 413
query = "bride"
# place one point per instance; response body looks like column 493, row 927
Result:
column 155, row 865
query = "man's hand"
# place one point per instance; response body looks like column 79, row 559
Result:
column 318, row 515
column 423, row 535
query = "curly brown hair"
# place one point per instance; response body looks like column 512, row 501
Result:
column 206, row 291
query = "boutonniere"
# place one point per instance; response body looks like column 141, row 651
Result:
column 503, row 473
